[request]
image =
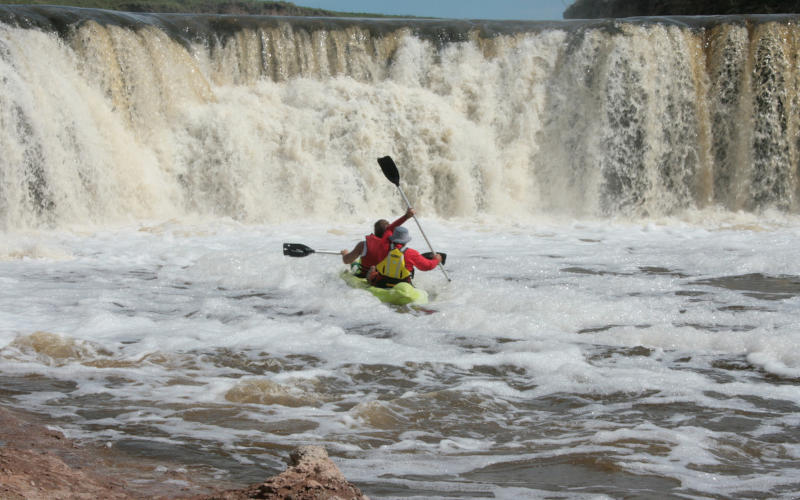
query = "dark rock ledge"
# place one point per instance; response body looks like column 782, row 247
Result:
column 594, row 9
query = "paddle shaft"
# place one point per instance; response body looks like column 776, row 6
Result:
column 408, row 204
column 300, row 250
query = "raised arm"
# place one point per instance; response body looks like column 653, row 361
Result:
column 399, row 222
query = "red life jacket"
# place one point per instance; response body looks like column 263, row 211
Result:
column 376, row 250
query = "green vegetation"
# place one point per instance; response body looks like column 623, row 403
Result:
column 241, row 7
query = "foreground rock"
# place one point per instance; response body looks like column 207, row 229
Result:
column 593, row 9
column 310, row 476
column 39, row 463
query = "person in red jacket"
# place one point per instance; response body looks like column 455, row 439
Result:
column 374, row 247
column 400, row 262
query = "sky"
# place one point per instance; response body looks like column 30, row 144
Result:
column 532, row 10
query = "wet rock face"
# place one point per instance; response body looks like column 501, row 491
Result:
column 593, row 9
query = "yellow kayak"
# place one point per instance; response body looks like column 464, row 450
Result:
column 400, row 294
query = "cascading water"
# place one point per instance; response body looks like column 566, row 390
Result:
column 111, row 116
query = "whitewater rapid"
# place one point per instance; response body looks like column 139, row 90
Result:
column 567, row 357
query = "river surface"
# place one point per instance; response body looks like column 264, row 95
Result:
column 566, row 359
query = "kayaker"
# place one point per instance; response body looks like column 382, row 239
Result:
column 374, row 247
column 400, row 262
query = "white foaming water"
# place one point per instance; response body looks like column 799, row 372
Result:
column 282, row 122
column 564, row 356
column 148, row 182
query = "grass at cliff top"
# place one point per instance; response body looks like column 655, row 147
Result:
column 241, row 7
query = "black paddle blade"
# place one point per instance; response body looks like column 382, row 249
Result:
column 297, row 250
column 389, row 169
column 429, row 255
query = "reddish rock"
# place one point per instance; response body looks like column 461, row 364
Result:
column 39, row 463
column 311, row 476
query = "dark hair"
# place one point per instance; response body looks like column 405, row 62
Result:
column 380, row 227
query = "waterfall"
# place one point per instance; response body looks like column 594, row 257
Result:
column 111, row 117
